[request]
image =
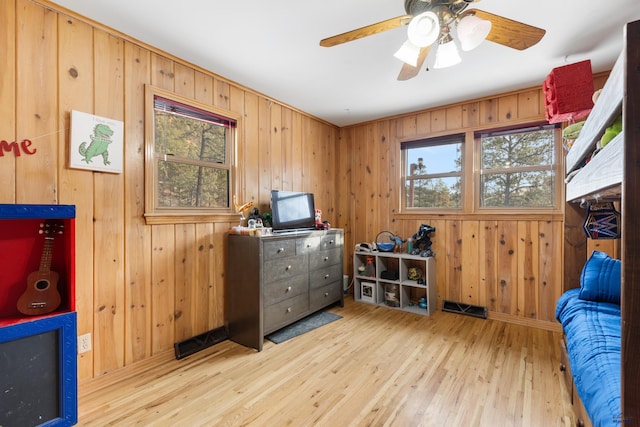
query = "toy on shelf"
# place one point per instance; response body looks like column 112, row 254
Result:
column 369, row 268
column 421, row 241
column 571, row 133
column 241, row 208
column 611, row 132
column 386, row 241
column 415, row 273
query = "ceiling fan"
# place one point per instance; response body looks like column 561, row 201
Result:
column 431, row 23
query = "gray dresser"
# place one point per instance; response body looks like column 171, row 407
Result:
column 273, row 281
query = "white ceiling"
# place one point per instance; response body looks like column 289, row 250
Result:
column 273, row 47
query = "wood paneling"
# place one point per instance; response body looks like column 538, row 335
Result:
column 108, row 225
column 36, row 116
column 137, row 238
column 470, row 255
column 140, row 288
column 511, row 264
column 75, row 82
column 8, row 98
column 487, row 268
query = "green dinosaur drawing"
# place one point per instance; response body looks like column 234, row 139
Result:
column 99, row 145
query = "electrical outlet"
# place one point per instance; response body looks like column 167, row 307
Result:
column 84, row 343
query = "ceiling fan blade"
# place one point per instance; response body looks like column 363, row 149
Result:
column 508, row 32
column 369, row 30
column 409, row 71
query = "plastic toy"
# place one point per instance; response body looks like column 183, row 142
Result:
column 422, row 241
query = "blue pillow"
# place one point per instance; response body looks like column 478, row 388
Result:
column 600, row 279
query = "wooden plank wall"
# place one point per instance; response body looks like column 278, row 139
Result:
column 140, row 288
column 512, row 264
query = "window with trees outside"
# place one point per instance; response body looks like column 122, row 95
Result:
column 518, row 168
column 433, row 172
column 188, row 158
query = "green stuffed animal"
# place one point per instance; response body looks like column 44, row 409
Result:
column 571, row 133
column 611, row 132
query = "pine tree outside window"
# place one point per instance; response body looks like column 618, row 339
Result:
column 518, row 168
column 189, row 157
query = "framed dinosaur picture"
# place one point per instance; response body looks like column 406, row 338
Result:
column 97, row 143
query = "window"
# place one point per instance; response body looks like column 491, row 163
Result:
column 518, row 168
column 433, row 172
column 189, row 157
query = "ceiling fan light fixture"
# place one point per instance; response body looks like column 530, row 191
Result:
column 408, row 53
column 447, row 54
column 424, row 29
column 472, row 31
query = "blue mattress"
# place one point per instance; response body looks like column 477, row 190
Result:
column 592, row 331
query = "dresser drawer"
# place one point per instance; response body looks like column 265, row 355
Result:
column 307, row 245
column 282, row 269
column 330, row 241
column 322, row 297
column 279, row 249
column 326, row 258
column 285, row 312
column 275, row 292
column 324, row 276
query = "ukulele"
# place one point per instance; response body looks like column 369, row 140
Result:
column 41, row 295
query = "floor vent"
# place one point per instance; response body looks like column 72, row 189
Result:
column 200, row 342
column 461, row 308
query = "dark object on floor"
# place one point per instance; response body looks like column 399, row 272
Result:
column 200, row 342
column 461, row 308
column 307, row 324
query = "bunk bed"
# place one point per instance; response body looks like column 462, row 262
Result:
column 602, row 336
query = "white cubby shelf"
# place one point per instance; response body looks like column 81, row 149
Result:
column 394, row 289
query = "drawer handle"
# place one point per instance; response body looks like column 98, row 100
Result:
column 563, row 368
column 326, row 276
column 308, row 245
column 288, row 268
column 331, row 242
column 288, row 289
column 326, row 258
column 326, row 294
column 280, row 250
column 289, row 310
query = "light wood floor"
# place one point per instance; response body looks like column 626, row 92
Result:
column 373, row 367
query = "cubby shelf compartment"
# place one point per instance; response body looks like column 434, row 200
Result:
column 406, row 293
column 21, row 251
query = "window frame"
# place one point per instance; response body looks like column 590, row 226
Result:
column 470, row 176
column 555, row 168
column 160, row 215
column 453, row 138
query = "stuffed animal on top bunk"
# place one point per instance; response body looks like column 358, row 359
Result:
column 571, row 132
column 422, row 241
column 611, row 132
